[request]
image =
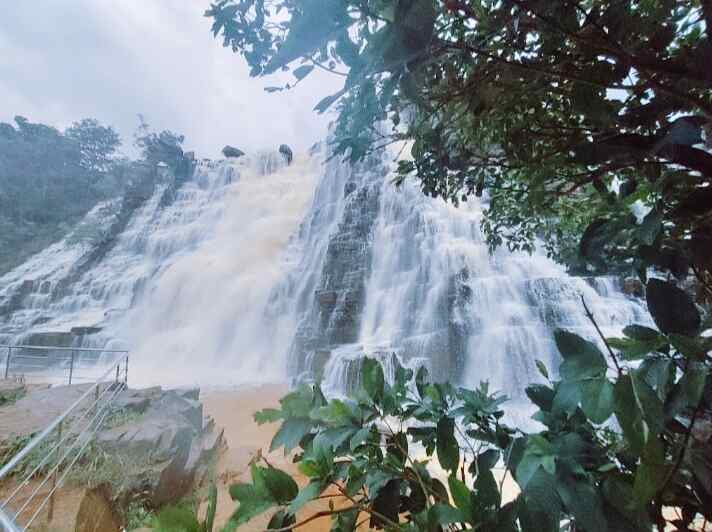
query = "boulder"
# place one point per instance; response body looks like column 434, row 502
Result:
column 286, row 151
column 232, row 152
column 163, row 443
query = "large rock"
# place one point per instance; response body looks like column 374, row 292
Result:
column 287, row 153
column 164, row 441
column 231, row 151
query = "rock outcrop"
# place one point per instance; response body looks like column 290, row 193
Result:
column 287, row 153
column 163, row 442
column 230, row 151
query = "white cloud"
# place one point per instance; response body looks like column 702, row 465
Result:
column 62, row 60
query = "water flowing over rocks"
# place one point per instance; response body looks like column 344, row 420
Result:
column 252, row 270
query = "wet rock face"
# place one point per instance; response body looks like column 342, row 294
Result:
column 336, row 310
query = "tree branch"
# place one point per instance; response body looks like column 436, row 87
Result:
column 589, row 315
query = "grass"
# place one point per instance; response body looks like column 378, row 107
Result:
column 8, row 397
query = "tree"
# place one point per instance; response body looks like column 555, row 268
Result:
column 567, row 114
column 159, row 147
column 49, row 180
column 97, row 144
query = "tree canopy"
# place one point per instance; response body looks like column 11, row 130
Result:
column 572, row 117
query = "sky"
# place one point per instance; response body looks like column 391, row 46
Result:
column 63, row 60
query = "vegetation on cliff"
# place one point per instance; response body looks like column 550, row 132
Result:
column 49, row 179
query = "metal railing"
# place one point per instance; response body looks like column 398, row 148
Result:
column 31, row 478
column 49, row 363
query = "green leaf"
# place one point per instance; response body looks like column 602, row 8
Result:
column 328, row 101
column 360, row 437
column 461, row 497
column 447, row 448
column 542, row 368
column 337, row 412
column 651, row 473
column 487, row 496
column 487, row 460
column 597, row 399
column 689, row 347
column 672, row 308
column 541, row 395
column 567, row 398
column 444, row 514
column 542, row 505
column 617, row 491
column 280, row 485
column 582, row 359
column 302, row 71
column 373, row 379
column 648, row 403
column 267, row 415
column 641, row 333
column 631, row 349
column 376, row 480
column 686, row 393
column 290, row 434
column 306, row 494
column 628, row 414
column 252, row 502
column 582, row 499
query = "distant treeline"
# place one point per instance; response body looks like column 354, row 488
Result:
column 49, row 179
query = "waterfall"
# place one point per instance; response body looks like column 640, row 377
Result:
column 255, row 271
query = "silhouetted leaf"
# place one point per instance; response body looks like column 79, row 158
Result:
column 671, row 308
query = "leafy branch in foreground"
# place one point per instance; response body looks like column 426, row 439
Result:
column 623, row 449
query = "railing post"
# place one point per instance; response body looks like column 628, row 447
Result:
column 71, row 367
column 118, row 367
column 50, row 507
column 7, row 361
column 126, row 371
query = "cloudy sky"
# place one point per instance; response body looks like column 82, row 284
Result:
column 62, row 60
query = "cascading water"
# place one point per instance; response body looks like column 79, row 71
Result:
column 217, row 282
column 406, row 274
